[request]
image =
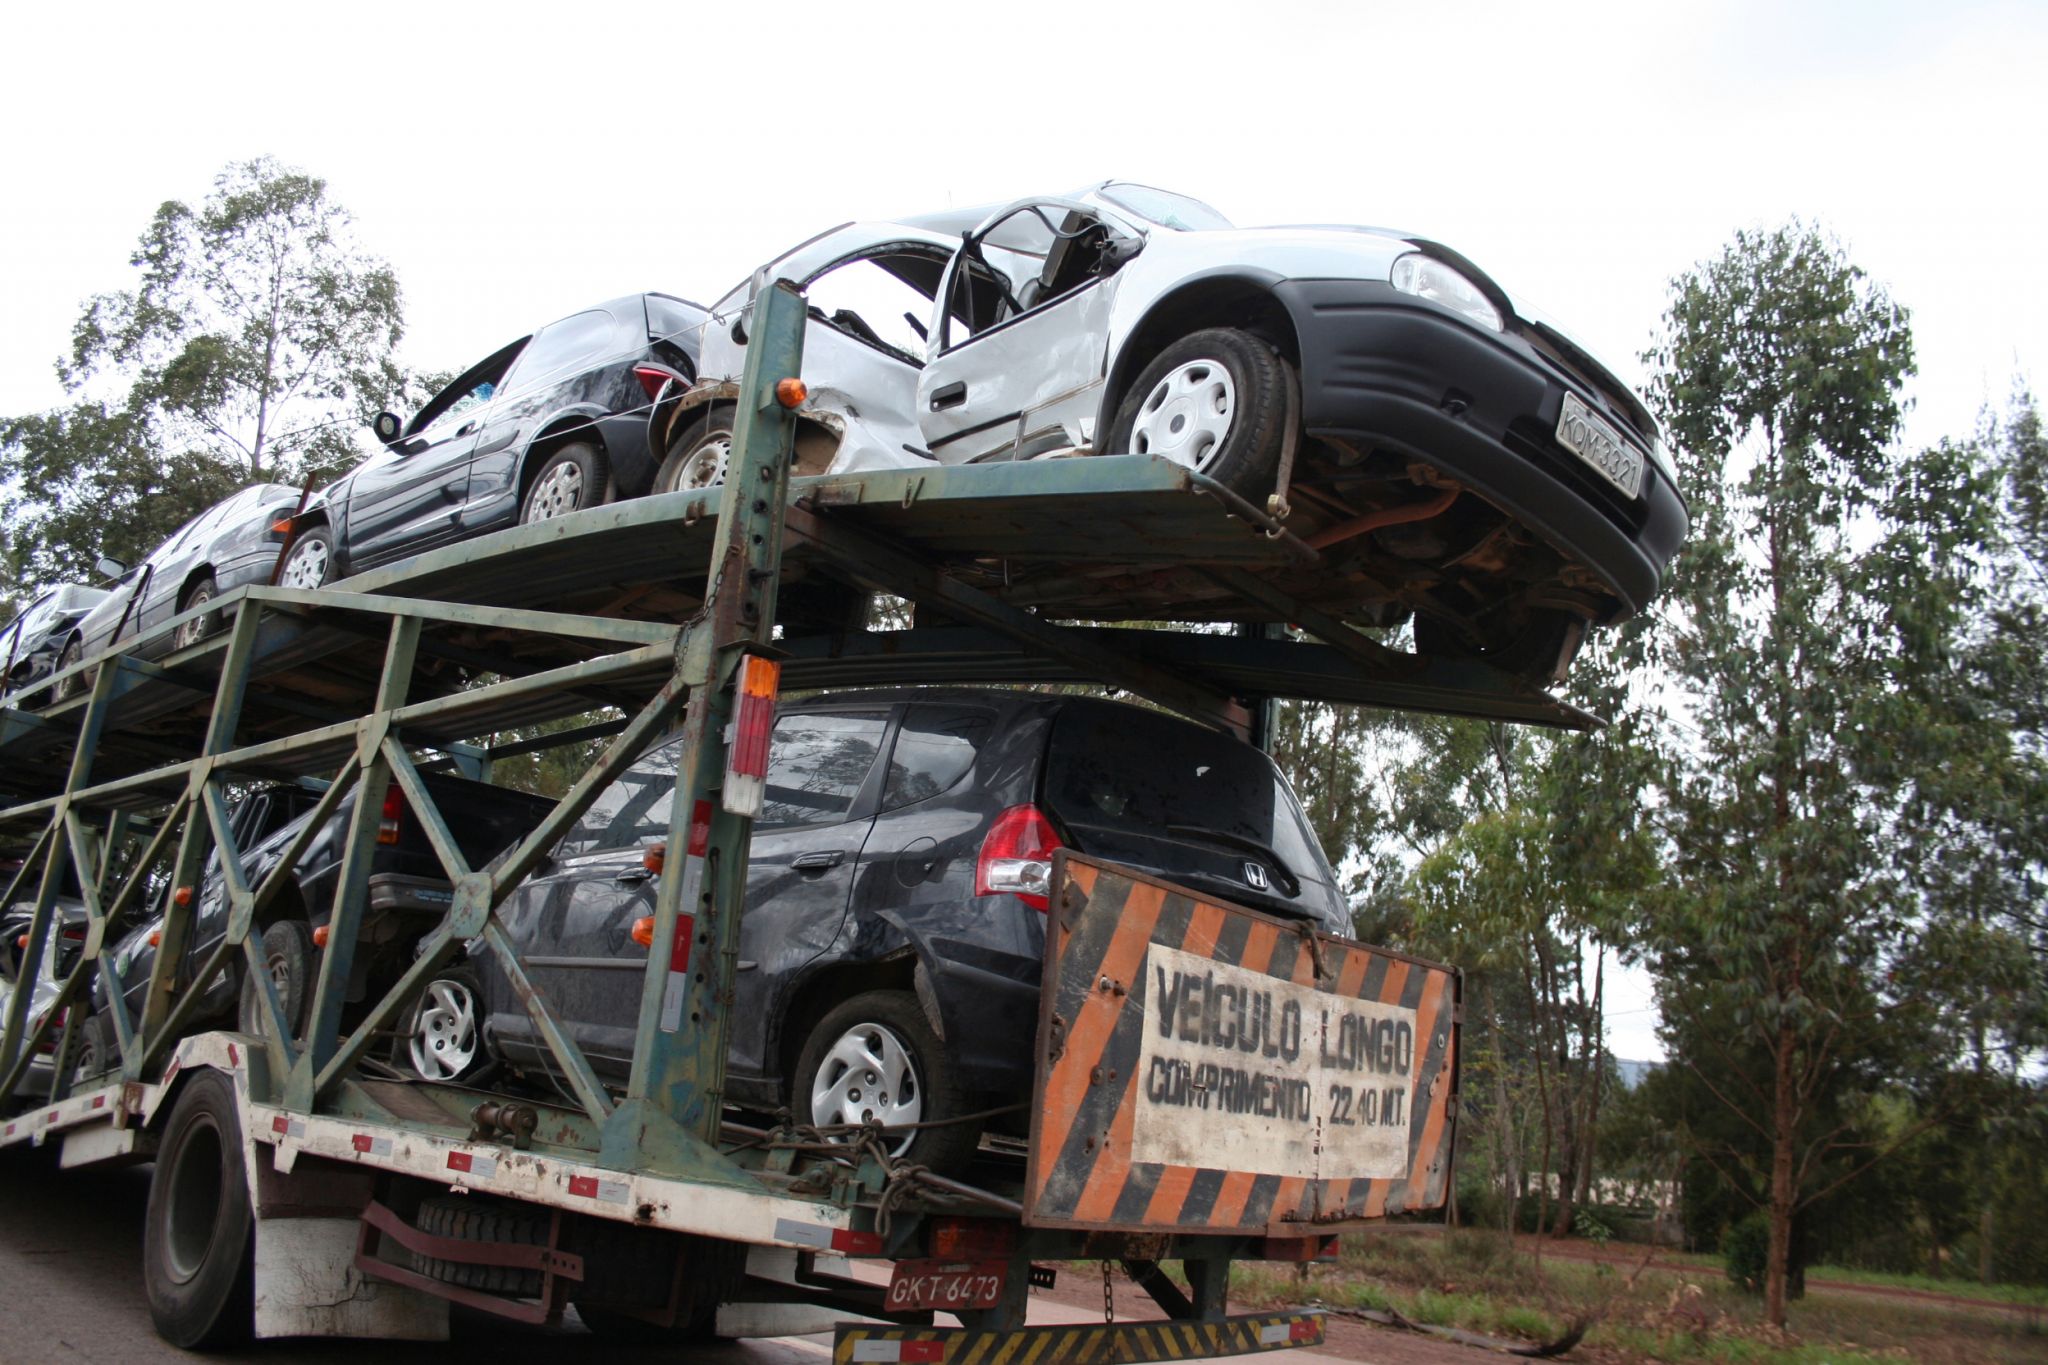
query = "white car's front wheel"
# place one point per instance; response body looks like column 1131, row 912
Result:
column 1214, row 401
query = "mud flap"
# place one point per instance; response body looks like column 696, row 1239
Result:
column 1080, row 1343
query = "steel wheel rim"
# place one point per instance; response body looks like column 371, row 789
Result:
column 307, row 567
column 705, row 466
column 194, row 630
column 444, row 1037
column 868, row 1074
column 1186, row 417
column 557, row 492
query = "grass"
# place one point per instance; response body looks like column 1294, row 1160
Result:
column 1476, row 1282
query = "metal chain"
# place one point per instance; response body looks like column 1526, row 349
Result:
column 1108, row 1302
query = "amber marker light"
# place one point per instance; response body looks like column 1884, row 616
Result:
column 182, row 897
column 643, row 931
column 791, row 392
column 320, row 937
column 655, row 856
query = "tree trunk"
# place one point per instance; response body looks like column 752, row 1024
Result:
column 1784, row 1118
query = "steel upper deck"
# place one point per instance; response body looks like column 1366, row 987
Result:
column 1009, row 549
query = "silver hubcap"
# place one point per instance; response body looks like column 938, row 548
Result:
column 1187, row 415
column 307, row 567
column 706, row 465
column 557, row 491
column 444, row 1035
column 867, row 1075
column 196, row 629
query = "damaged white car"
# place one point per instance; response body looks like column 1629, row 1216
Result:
column 1456, row 460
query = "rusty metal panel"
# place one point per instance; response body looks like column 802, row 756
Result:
column 1206, row 1068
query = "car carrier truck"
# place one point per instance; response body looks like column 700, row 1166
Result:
column 1212, row 1084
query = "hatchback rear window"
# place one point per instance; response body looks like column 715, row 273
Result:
column 1132, row 771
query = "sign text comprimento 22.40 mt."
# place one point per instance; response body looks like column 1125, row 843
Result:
column 1311, row 1084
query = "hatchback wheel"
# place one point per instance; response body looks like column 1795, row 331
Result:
column 443, row 1039
column 1214, row 401
column 568, row 479
column 206, row 623
column 310, row 560
column 875, row 1059
column 699, row 456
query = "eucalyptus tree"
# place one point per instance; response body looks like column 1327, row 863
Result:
column 255, row 340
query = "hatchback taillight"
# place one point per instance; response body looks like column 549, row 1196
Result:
column 394, row 807
column 652, row 379
column 1016, row 857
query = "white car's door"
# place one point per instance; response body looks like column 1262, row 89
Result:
column 869, row 288
column 1028, row 380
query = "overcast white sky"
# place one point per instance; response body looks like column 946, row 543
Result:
column 516, row 163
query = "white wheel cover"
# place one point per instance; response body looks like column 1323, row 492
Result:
column 1186, row 417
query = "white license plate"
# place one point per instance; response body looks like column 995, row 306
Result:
column 1593, row 439
column 950, row 1285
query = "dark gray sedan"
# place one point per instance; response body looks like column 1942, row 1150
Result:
column 33, row 641
column 230, row 545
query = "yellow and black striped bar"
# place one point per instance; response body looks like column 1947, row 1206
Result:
column 1097, row 1343
column 1082, row 1172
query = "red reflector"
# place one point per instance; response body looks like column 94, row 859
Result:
column 1016, row 857
column 746, row 758
column 679, row 951
column 973, row 1239
column 700, row 829
column 182, row 897
column 458, row 1161
column 280, row 1124
column 583, row 1186
column 362, row 1142
column 921, row 1352
column 857, row 1243
column 652, row 379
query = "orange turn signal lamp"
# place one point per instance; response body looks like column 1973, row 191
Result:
column 643, row 931
column 320, row 937
column 791, row 392
column 156, row 936
column 182, row 897
column 654, row 858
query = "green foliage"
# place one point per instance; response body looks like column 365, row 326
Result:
column 255, row 342
column 1746, row 1251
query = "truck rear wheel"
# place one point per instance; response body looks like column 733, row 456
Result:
column 198, row 1233
column 480, row 1220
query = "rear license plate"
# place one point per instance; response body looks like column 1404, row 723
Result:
column 1593, row 439
column 946, row 1284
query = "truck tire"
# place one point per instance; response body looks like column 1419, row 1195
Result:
column 199, row 1231
column 636, row 1268
column 477, row 1219
column 838, row 1080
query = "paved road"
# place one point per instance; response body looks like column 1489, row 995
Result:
column 71, row 1292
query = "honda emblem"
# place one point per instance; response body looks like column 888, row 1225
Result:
column 1255, row 877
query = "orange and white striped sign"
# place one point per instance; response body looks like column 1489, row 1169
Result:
column 1206, row 1068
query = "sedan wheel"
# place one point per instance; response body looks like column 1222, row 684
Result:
column 569, row 479
column 73, row 653
column 1186, row 415
column 444, row 1043
column 310, row 560
column 201, row 626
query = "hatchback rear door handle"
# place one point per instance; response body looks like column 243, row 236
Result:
column 818, row 862
column 949, row 396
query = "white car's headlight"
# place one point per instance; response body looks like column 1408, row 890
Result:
column 1428, row 278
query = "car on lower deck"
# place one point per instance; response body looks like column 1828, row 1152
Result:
column 552, row 423
column 896, row 894
column 1456, row 460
